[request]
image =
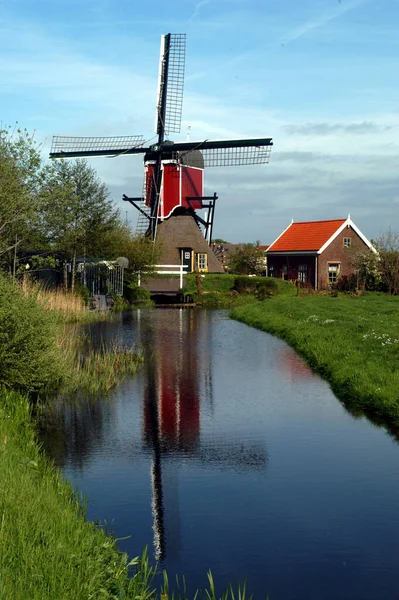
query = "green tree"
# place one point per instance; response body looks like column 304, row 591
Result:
column 142, row 254
column 78, row 216
column 21, row 176
column 247, row 259
column 366, row 265
column 388, row 251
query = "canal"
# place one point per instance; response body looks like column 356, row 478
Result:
column 226, row 452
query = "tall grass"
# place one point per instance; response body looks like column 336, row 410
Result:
column 40, row 353
column 90, row 369
column 352, row 342
column 47, row 549
column 69, row 307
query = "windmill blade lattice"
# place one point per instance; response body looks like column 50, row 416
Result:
column 232, row 157
column 227, row 153
column 170, row 104
column 92, row 146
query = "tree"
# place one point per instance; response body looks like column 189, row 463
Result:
column 388, row 251
column 78, row 217
column 218, row 241
column 142, row 254
column 366, row 265
column 21, row 177
column 247, row 259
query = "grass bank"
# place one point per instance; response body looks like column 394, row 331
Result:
column 221, row 290
column 48, row 550
column 352, row 342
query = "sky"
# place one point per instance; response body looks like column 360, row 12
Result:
column 318, row 76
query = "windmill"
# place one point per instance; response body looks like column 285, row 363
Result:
column 173, row 181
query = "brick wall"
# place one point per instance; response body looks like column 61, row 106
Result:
column 336, row 253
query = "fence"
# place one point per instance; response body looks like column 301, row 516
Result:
column 161, row 270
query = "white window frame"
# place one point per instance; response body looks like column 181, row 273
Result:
column 347, row 242
column 332, row 271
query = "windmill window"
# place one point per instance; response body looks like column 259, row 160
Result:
column 202, row 262
column 303, row 273
column 347, row 242
column 333, row 272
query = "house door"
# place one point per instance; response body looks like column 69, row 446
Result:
column 187, row 259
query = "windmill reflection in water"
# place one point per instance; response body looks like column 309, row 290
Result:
column 179, row 378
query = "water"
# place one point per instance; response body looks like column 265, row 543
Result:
column 226, row 452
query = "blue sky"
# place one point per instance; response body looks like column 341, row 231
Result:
column 319, row 76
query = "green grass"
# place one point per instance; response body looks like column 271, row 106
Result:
column 47, row 548
column 352, row 342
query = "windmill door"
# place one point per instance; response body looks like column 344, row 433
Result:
column 187, row 259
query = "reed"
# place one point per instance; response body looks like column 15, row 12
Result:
column 90, row 369
column 69, row 307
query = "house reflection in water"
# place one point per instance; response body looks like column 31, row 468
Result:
column 293, row 366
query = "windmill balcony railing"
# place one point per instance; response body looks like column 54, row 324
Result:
column 165, row 270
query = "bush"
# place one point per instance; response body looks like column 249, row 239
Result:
column 29, row 356
column 266, row 288
column 135, row 293
column 346, row 283
column 245, row 285
column 83, row 291
column 119, row 303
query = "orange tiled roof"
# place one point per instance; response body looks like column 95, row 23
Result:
column 309, row 235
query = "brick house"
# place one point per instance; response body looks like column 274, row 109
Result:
column 316, row 253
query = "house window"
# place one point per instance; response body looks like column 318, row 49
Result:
column 271, row 271
column 303, row 273
column 333, row 272
column 347, row 242
column 202, row 262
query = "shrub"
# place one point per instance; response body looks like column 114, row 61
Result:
column 245, row 285
column 119, row 303
column 266, row 288
column 346, row 283
column 29, row 356
column 83, row 291
column 135, row 293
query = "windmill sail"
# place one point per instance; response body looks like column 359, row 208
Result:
column 70, row 146
column 228, row 153
column 170, row 84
